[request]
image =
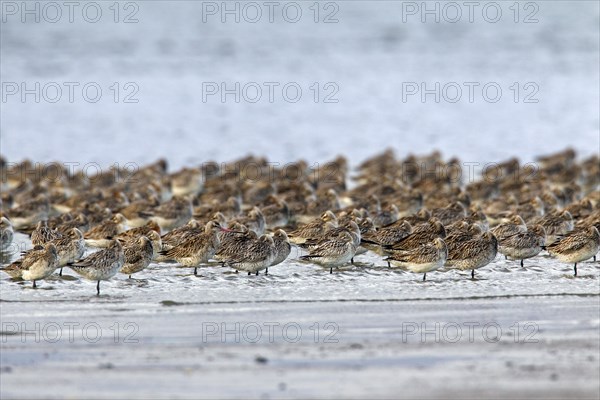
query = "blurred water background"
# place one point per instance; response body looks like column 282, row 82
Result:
column 370, row 58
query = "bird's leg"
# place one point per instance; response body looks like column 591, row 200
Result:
column 389, row 265
column 129, row 276
column 352, row 260
column 505, row 257
column 267, row 271
column 60, row 273
column 34, row 285
column 472, row 274
column 256, row 273
column 331, row 270
column 98, row 289
column 195, row 270
column 575, row 268
column 424, row 277
column 236, row 271
column 521, row 263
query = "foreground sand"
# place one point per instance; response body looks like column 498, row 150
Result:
column 176, row 358
column 513, row 332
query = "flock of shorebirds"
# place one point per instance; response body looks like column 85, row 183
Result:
column 414, row 212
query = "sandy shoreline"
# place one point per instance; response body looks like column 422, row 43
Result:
column 174, row 350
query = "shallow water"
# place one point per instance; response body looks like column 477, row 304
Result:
column 369, row 53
